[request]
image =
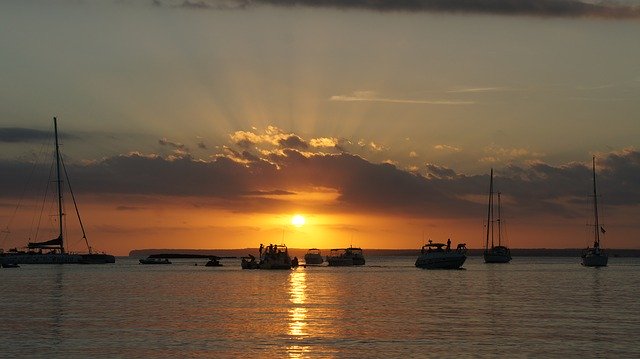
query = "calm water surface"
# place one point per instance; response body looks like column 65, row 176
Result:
column 532, row 307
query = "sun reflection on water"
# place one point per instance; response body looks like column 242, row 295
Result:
column 297, row 312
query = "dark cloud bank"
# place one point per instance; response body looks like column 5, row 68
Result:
column 240, row 182
column 545, row 8
column 18, row 135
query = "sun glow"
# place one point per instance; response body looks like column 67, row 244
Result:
column 298, row 220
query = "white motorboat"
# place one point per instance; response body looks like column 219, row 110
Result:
column 344, row 257
column 441, row 256
column 273, row 256
column 313, row 256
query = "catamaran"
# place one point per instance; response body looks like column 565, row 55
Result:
column 53, row 251
column 499, row 253
column 595, row 257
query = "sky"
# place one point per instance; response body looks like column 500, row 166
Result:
column 209, row 124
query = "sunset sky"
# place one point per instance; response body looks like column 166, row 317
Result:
column 210, row 124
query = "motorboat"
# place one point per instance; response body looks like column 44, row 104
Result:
column 441, row 256
column 150, row 260
column 313, row 256
column 273, row 256
column 213, row 262
column 345, row 257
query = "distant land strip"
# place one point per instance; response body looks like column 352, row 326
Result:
column 300, row 252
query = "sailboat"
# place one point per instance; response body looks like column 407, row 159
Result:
column 53, row 251
column 499, row 253
column 595, row 257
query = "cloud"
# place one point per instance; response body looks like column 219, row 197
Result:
column 376, row 146
column 165, row 142
column 440, row 172
column 371, row 96
column 293, row 141
column 541, row 8
column 245, row 181
column 272, row 135
column 497, row 154
column 245, row 139
column 129, row 208
column 324, row 142
column 478, row 89
column 22, row 135
column 447, row 148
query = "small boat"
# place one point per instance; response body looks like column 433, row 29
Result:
column 596, row 256
column 273, row 256
column 155, row 261
column 499, row 253
column 313, row 256
column 10, row 265
column 213, row 262
column 345, row 257
column 441, row 256
column 249, row 262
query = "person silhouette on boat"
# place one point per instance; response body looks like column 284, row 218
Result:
column 448, row 244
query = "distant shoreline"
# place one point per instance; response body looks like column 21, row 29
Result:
column 299, row 252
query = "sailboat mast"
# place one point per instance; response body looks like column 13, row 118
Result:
column 498, row 220
column 596, row 227
column 55, row 130
column 489, row 210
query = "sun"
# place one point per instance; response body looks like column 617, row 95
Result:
column 298, row 220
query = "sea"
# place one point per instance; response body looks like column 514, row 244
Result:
column 533, row 307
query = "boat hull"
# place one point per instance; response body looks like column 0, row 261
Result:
column 497, row 255
column 274, row 266
column 313, row 259
column 595, row 260
column 57, row 258
column 450, row 261
column 339, row 262
column 154, row 261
